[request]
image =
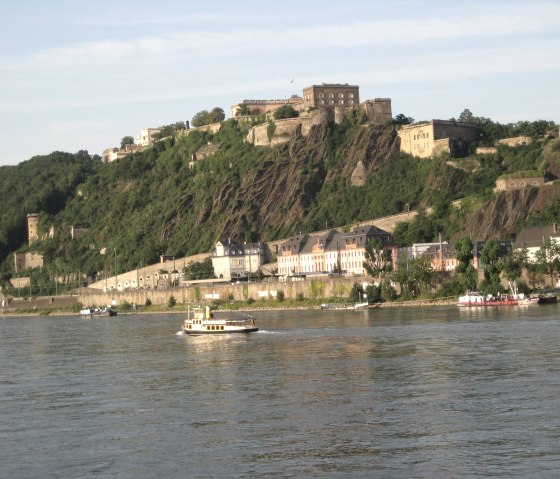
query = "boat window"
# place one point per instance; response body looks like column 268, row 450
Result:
column 222, row 327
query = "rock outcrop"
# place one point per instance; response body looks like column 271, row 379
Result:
column 502, row 215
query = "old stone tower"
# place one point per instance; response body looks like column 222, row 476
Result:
column 32, row 227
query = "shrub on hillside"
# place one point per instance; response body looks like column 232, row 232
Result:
column 285, row 111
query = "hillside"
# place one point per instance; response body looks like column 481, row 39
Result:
column 156, row 202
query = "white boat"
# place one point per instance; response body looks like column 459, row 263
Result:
column 361, row 306
column 94, row 311
column 204, row 322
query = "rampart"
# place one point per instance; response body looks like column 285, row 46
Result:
column 285, row 129
column 515, row 141
column 322, row 287
column 154, row 276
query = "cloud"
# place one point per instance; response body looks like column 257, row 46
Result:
column 204, row 40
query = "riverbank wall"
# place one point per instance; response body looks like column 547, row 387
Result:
column 331, row 287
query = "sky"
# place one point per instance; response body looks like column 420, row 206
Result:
column 82, row 74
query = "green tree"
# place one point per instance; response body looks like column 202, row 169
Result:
column 464, row 251
column 199, row 270
column 421, row 274
column 169, row 130
column 217, row 115
column 514, row 263
column 200, row 118
column 548, row 259
column 414, row 275
column 285, row 111
column 373, row 293
column 468, row 278
column 466, row 116
column 356, row 293
column 489, row 259
column 377, row 258
column 465, row 270
column 206, row 117
column 402, row 119
column 243, row 109
column 171, row 302
column 126, row 140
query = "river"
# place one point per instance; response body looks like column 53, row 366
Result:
column 436, row 392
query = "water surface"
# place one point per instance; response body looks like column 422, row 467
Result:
column 427, row 392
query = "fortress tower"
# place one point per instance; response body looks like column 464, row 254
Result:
column 32, row 227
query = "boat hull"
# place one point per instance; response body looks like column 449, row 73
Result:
column 489, row 303
column 192, row 332
column 97, row 314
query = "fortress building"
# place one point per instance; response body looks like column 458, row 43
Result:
column 429, row 139
column 330, row 95
column 27, row 260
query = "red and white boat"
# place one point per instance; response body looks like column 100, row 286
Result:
column 477, row 299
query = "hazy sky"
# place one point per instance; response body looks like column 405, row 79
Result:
column 82, row 74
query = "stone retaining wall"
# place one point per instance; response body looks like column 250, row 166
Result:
column 323, row 287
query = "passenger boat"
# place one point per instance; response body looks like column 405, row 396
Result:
column 204, row 322
column 477, row 299
column 93, row 311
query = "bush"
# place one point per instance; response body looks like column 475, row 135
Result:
column 285, row 111
column 300, row 297
column 270, row 130
column 356, row 293
column 171, row 302
column 148, row 302
column 250, row 300
column 388, row 293
column 280, row 295
column 126, row 306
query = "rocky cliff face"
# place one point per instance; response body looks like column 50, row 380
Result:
column 500, row 216
column 281, row 191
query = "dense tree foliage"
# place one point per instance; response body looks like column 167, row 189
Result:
column 126, row 140
column 548, row 259
column 285, row 111
column 377, row 258
column 206, row 117
column 489, row 260
column 170, row 130
column 199, row 270
column 465, row 270
column 492, row 131
column 414, row 275
column 43, row 184
column 402, row 119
